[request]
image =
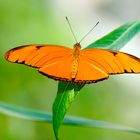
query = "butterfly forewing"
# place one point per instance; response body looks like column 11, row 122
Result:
column 112, row 62
column 37, row 55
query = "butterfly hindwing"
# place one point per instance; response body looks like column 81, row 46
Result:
column 37, row 55
column 59, row 70
column 88, row 72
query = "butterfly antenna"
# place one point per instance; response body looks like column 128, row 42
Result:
column 71, row 29
column 89, row 32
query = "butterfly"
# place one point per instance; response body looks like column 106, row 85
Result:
column 74, row 65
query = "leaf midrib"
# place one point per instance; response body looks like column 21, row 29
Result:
column 61, row 99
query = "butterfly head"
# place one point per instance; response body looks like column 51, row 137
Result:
column 77, row 45
column 76, row 50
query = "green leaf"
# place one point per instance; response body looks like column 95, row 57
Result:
column 33, row 115
column 68, row 91
column 23, row 113
column 65, row 96
column 117, row 38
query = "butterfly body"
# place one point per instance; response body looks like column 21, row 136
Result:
column 76, row 54
column 74, row 65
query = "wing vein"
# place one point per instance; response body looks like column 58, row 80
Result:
column 95, row 67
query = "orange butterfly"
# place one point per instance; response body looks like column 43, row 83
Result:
column 74, row 65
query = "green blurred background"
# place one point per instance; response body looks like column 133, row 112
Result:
column 43, row 21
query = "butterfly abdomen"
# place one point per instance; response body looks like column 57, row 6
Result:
column 74, row 68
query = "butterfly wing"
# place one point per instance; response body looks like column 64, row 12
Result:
column 97, row 64
column 88, row 72
column 53, row 61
